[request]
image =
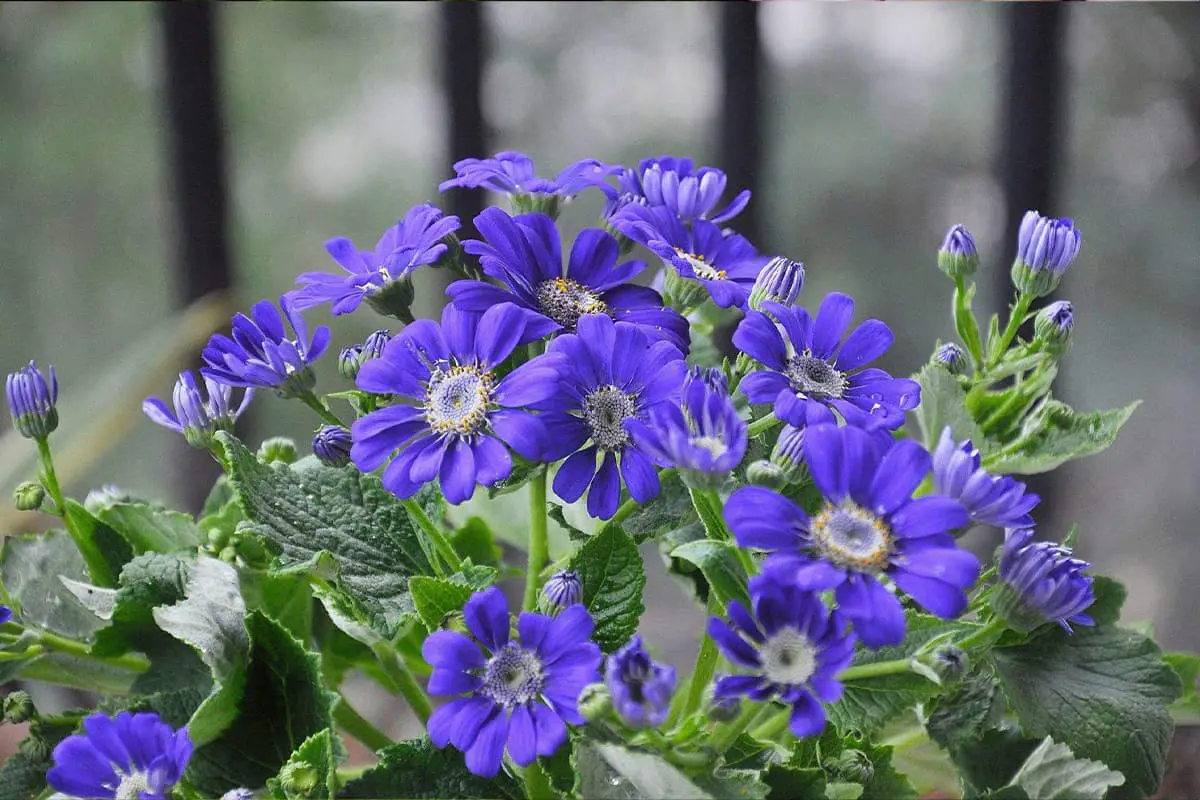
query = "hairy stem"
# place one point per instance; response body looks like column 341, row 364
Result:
column 702, row 673
column 61, row 644
column 399, row 672
column 877, row 670
column 97, row 567
column 440, row 542
column 726, row 733
column 355, row 724
column 316, row 404
column 708, row 506
column 762, row 425
column 1015, row 318
column 539, row 543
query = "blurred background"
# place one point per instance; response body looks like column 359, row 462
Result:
column 151, row 154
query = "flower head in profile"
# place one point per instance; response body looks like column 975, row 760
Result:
column 1046, row 246
column 564, row 589
column 868, row 526
column 951, row 357
column 518, row 694
column 779, row 282
column 331, row 445
column 524, row 254
column 31, row 401
column 640, row 688
column 989, row 499
column 809, row 367
column 514, row 174
column 121, row 757
column 701, row 259
column 677, row 185
column 1042, row 582
column 958, row 257
column 453, row 417
column 792, row 646
column 196, row 416
column 1053, row 325
column 261, row 354
column 609, row 373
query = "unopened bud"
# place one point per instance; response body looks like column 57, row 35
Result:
column 1053, row 325
column 28, row 496
column 851, row 765
column 372, row 346
column 780, row 281
column 952, row 357
column 277, row 448
column 788, row 454
column 765, row 474
column 348, row 361
column 562, row 590
column 18, row 708
column 950, row 663
column 595, row 703
column 298, row 779
column 958, row 257
column 1046, row 246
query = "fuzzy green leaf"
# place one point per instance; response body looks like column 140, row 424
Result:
column 672, row 508
column 611, row 772
column 1052, row 772
column 610, row 568
column 720, row 567
column 1061, row 435
column 320, row 755
column 943, row 402
column 417, row 769
column 149, row 529
column 31, row 566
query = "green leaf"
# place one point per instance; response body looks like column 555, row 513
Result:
column 149, row 580
column 990, row 760
column 612, row 772
column 221, row 495
column 795, row 783
column 287, row 599
column 1103, row 692
column 224, row 520
column 436, row 598
column 671, row 509
column 841, row 790
column 720, row 567
column 113, row 547
column 1187, row 667
column 958, row 717
column 1059, row 435
column 1052, row 772
column 320, row 755
column 284, row 702
column 417, row 769
column 1109, row 597
column 610, row 568
column 149, row 529
column 31, row 566
column 23, row 777
column 342, row 512
column 943, row 402
column 734, row 784
column 475, row 541
column 557, row 513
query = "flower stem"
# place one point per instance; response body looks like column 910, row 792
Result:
column 440, row 542
column 965, row 324
column 1015, row 318
column 537, row 783
column 702, row 673
column 986, row 633
column 61, row 644
column 97, row 567
column 708, row 505
column 399, row 672
column 878, row 669
column 773, row 726
column 353, row 723
column 316, row 404
column 725, row 734
column 539, row 544
column 762, row 425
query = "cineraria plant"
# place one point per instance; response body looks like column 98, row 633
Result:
column 809, row 500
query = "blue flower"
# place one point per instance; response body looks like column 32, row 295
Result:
column 608, row 372
column 702, row 436
column 640, row 689
column 453, row 416
column 779, row 282
column 809, row 367
column 127, row 756
column 1046, row 246
column 524, row 253
column 700, row 259
column 331, row 445
column 514, row 174
column 564, row 589
column 6, row 614
column 952, row 357
column 31, row 401
column 195, row 417
column 868, row 526
column 958, row 257
column 788, row 454
column 713, row 378
column 522, row 693
column 415, row 241
column 792, row 644
column 989, row 499
column 261, row 354
column 675, row 184
column 1042, row 582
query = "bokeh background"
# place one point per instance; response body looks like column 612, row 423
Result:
column 866, row 130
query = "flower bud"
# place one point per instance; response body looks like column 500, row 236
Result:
column 28, row 496
column 595, row 702
column 18, row 708
column 779, row 282
column 348, row 361
column 958, row 257
column 562, row 590
column 108, row 495
column 952, row 357
column 851, row 765
column 1052, row 327
column 765, row 474
column 788, row 454
column 298, row 779
column 1046, row 246
column 31, row 400
column 238, row 794
column 950, row 663
column 372, row 346
column 725, row 709
column 331, row 446
column 277, row 448
column 395, row 298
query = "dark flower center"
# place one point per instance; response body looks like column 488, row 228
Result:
column 605, row 411
column 788, row 657
column 457, row 399
column 814, row 377
column 700, row 266
column 851, row 537
column 565, row 301
column 513, row 676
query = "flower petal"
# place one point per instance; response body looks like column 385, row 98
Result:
column 486, row 615
column 487, row 751
column 765, row 520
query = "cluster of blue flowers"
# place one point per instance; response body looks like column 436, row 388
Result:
column 574, row 366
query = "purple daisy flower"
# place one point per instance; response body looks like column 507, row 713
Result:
column 1046, row 247
column 514, row 174
column 794, row 646
column 640, row 688
column 989, row 499
column 453, row 416
column 415, row 241
column 524, row 253
column 702, row 258
column 1042, row 582
column 809, row 366
column 261, row 354
column 6, row 614
column 194, row 416
column 675, row 184
column 868, row 526
column 130, row 755
column 608, row 373
column 32, row 401
column 519, row 693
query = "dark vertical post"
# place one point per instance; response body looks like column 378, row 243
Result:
column 740, row 144
column 1032, row 124
column 197, row 165
column 463, row 53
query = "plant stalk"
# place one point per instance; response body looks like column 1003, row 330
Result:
column 440, row 542
column 399, row 672
column 1015, row 318
column 97, row 566
column 358, row 726
column 539, row 542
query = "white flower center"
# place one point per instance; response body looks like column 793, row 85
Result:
column 132, row 786
column 852, row 537
column 700, row 266
column 712, row 444
column 565, row 301
column 513, row 676
column 605, row 411
column 457, row 399
column 788, row 657
column 814, row 377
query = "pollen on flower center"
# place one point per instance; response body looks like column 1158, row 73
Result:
column 712, row 444
column 852, row 537
column 513, row 676
column 702, row 268
column 788, row 657
column 814, row 376
column 457, row 399
column 132, row 786
column 605, row 411
column 565, row 301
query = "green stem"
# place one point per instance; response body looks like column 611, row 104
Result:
column 537, row 783
column 725, row 734
column 440, row 542
column 353, row 723
column 62, row 644
column 702, row 673
column 97, row 566
column 539, row 543
column 762, row 425
column 986, row 633
column 905, row 739
column 877, row 670
column 965, row 323
column 1015, row 318
column 312, row 401
column 396, row 669
column 708, row 506
column 774, row 725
